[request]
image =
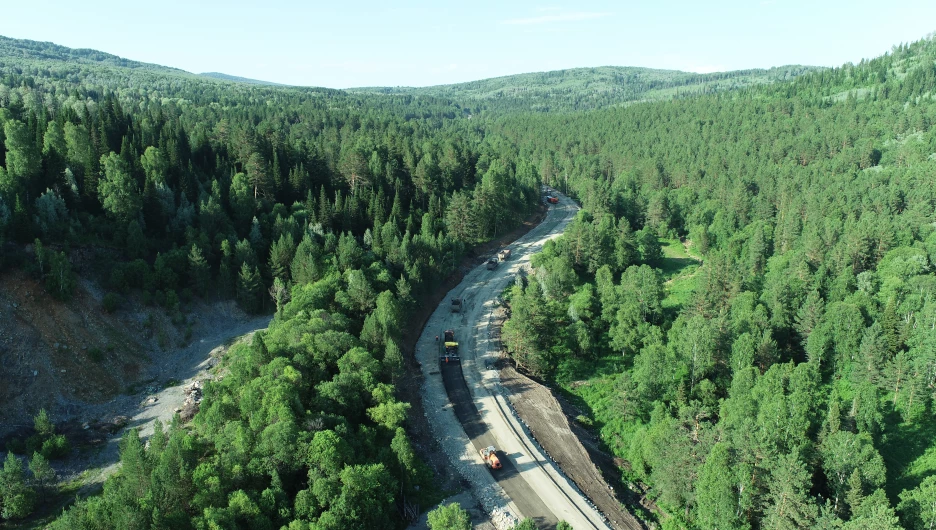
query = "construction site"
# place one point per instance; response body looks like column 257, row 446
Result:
column 480, row 407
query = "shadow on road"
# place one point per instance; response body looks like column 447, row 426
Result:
column 509, row 476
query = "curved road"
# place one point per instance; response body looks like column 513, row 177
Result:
column 530, row 485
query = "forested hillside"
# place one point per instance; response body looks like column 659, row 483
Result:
column 335, row 211
column 581, row 89
column 22, row 51
column 226, row 77
column 745, row 306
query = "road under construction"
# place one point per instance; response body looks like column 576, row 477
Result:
column 529, row 484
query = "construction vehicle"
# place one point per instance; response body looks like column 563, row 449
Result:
column 503, row 254
column 489, row 455
column 492, row 264
column 448, row 350
column 456, row 305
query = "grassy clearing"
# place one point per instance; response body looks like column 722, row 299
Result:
column 679, row 269
column 54, row 500
column 590, row 387
column 909, row 451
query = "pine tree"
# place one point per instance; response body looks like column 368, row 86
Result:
column 42, row 472
column 16, row 498
column 324, row 209
column 136, row 241
column 43, row 425
column 281, row 256
column 248, row 288
column 715, row 494
column 199, row 272
column 789, row 506
column 226, row 268
column 61, row 280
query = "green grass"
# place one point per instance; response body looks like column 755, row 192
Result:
column 589, row 385
column 909, row 451
column 53, row 501
column 679, row 269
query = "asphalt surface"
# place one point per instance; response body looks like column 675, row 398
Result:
column 531, row 484
column 481, row 436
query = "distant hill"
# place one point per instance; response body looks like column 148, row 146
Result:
column 589, row 88
column 35, row 50
column 237, row 79
column 556, row 91
column 29, row 50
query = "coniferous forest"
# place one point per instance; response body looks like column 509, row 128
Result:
column 744, row 309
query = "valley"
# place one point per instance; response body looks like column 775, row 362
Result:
column 717, row 309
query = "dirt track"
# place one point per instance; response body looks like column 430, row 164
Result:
column 184, row 365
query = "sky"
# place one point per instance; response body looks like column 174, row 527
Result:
column 343, row 44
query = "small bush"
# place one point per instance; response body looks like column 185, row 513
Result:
column 111, row 302
column 95, row 354
column 136, row 273
column 118, row 280
column 16, row 446
column 172, row 300
column 33, row 444
column 55, row 447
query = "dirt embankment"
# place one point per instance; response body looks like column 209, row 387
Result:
column 543, row 414
column 97, row 372
column 83, row 364
column 59, row 356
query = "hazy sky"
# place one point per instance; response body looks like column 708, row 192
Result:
column 344, row 44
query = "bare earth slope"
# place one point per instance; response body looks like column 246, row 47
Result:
column 88, row 368
column 60, row 356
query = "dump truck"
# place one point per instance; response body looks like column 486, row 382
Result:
column 456, row 305
column 503, row 254
column 448, row 350
column 489, row 455
column 492, row 264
